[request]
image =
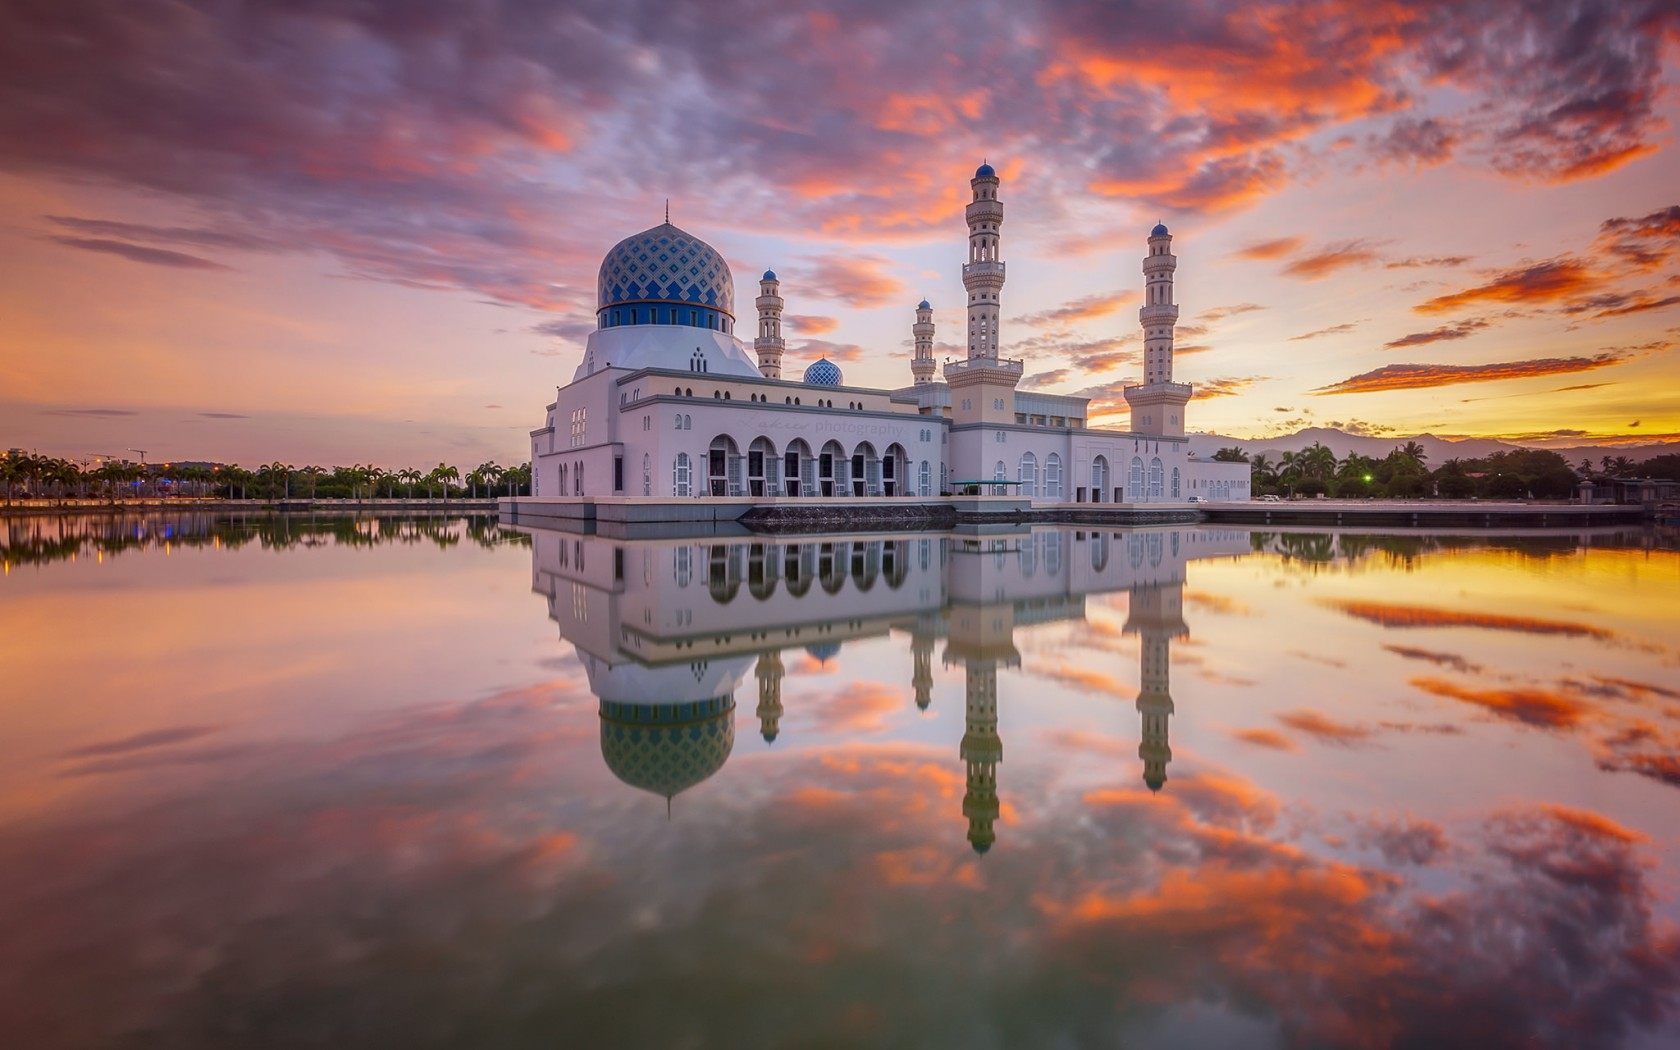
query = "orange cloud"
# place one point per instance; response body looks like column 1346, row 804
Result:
column 1326, row 729
column 1267, row 738
column 1554, row 281
column 1323, row 263
column 1543, row 708
column 1390, row 614
column 1276, row 248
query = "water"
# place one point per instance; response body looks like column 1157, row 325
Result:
column 279, row 781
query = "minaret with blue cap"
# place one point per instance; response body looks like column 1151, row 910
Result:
column 983, row 273
column 769, row 343
column 1157, row 403
column 921, row 366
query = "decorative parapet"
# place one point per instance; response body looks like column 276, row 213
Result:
column 973, row 369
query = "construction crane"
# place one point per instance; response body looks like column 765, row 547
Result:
column 142, row 455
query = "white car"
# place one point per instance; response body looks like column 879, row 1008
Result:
column 1197, row 499
column 1270, row 497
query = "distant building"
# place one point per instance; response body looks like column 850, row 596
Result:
column 668, row 403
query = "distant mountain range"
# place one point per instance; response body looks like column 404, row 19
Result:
column 1439, row 450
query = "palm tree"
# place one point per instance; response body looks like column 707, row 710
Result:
column 1415, row 450
column 1622, row 464
column 409, row 476
column 1317, row 461
column 518, row 477
column 445, row 474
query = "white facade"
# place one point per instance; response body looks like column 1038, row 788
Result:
column 668, row 404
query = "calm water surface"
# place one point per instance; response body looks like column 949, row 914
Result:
column 392, row 782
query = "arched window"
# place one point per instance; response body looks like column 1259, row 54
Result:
column 1155, row 477
column 1134, row 487
column 1175, row 483
column 647, row 474
column 925, row 481
column 1000, row 472
column 1029, row 474
column 1053, row 476
column 682, row 476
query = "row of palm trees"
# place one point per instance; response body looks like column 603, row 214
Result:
column 1404, row 473
column 28, row 475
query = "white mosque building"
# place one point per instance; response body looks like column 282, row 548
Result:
column 669, row 405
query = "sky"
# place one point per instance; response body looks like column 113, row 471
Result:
column 345, row 231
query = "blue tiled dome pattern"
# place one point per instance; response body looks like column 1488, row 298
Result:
column 666, row 265
column 667, row 749
column 1160, row 230
column 822, row 372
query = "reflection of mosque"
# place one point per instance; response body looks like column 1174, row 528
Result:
column 667, row 629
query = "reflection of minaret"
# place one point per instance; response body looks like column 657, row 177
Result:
column 982, row 637
column 1157, row 617
column 921, row 654
column 769, row 695
column 982, row 750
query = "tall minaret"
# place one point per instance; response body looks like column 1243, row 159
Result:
column 983, row 273
column 921, row 366
column 983, row 384
column 1157, row 616
column 1158, row 403
column 769, row 712
column 769, row 342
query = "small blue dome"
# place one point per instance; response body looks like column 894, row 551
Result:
column 924, row 305
column 822, row 372
column 769, row 275
column 824, row 651
column 1160, row 230
column 985, row 171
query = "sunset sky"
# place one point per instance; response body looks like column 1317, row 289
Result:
column 339, row 231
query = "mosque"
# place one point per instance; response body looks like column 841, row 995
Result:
column 669, row 630
column 669, row 405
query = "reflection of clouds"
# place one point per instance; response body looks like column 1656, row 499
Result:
column 1390, row 614
column 463, row 863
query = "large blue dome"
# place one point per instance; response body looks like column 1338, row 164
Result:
column 665, row 265
column 822, row 372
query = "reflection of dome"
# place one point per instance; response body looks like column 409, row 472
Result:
column 667, row 748
column 824, row 651
column 666, row 265
column 1160, row 230
column 984, row 171
column 980, row 845
column 823, row 372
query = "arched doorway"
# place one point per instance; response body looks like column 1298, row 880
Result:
column 1099, row 478
column 893, row 471
column 723, row 467
column 761, row 467
column 866, row 471
column 831, row 469
column 796, row 466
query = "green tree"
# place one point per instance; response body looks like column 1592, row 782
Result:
column 1233, row 454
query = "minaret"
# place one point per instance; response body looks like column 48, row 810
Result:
column 921, row 675
column 769, row 695
column 1156, row 615
column 982, row 750
column 983, row 385
column 769, row 342
column 1158, row 403
column 921, row 366
column 982, row 638
column 983, row 273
